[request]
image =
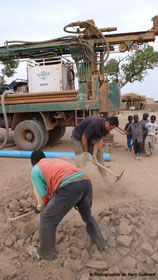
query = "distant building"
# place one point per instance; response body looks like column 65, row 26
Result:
column 132, row 101
column 149, row 100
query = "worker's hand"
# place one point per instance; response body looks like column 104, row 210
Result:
column 35, row 209
column 94, row 159
column 87, row 155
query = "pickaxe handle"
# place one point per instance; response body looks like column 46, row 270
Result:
column 18, row 217
column 99, row 164
column 21, row 216
column 111, row 172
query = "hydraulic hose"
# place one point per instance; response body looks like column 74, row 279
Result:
column 5, row 121
column 98, row 34
column 21, row 43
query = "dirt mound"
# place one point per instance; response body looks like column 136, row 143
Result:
column 130, row 230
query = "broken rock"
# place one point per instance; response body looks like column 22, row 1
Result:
column 76, row 265
column 155, row 257
column 129, row 263
column 146, row 247
column 75, row 251
column 67, row 274
column 125, row 228
column 85, row 255
column 105, row 220
column 124, row 240
column 97, row 265
column 8, row 242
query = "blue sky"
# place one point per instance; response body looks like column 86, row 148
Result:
column 43, row 20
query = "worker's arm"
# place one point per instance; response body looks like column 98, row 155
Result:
column 39, row 187
column 127, row 130
column 96, row 146
column 40, row 204
column 121, row 131
column 85, row 144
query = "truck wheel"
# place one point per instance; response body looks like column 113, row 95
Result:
column 46, row 133
column 29, row 135
column 57, row 133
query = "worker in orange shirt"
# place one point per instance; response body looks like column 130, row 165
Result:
column 59, row 186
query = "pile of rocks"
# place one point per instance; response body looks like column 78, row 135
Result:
column 131, row 232
column 20, row 204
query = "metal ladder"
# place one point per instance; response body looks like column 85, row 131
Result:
column 79, row 118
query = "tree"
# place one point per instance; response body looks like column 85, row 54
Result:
column 134, row 68
column 8, row 70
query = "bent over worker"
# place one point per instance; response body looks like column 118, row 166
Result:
column 88, row 134
column 59, row 186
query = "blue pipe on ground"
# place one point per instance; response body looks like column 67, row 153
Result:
column 27, row 154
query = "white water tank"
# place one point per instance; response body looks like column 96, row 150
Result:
column 49, row 75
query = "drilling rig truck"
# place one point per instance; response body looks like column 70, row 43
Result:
column 52, row 103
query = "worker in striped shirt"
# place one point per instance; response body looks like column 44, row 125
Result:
column 59, row 186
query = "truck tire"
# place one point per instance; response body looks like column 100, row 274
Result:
column 57, row 133
column 29, row 135
column 46, row 133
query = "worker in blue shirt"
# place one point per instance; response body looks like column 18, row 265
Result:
column 88, row 134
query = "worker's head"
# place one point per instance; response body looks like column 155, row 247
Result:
column 136, row 118
column 111, row 123
column 130, row 118
column 36, row 156
column 145, row 116
column 153, row 118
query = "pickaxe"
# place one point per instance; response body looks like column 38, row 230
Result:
column 10, row 220
column 111, row 172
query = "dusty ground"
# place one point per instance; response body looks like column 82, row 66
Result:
column 126, row 212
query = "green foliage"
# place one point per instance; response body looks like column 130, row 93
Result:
column 134, row 68
column 8, row 70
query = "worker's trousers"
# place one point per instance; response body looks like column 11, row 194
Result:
column 77, row 194
column 77, row 146
column 129, row 139
column 137, row 147
column 149, row 144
